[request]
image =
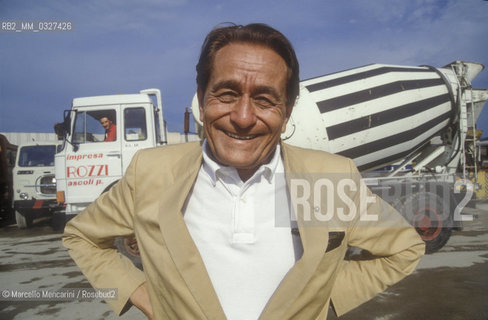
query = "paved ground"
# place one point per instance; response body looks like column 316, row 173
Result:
column 35, row 259
column 449, row 284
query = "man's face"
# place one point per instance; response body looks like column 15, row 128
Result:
column 243, row 108
column 106, row 123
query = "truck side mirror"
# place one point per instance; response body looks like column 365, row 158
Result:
column 67, row 122
column 59, row 130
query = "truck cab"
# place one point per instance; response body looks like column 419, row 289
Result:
column 34, row 183
column 102, row 135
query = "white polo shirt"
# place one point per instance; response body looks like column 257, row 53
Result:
column 234, row 226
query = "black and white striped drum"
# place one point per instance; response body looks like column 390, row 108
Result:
column 376, row 114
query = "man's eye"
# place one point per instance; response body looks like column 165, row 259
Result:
column 264, row 102
column 227, row 97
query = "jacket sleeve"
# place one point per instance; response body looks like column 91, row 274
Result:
column 90, row 237
column 395, row 245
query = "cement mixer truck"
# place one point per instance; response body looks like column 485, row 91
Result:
column 406, row 128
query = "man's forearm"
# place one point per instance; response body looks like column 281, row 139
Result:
column 103, row 267
column 359, row 281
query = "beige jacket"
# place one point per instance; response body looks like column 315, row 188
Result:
column 148, row 200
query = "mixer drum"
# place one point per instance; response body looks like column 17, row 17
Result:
column 375, row 114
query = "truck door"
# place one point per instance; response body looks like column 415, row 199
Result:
column 94, row 161
column 138, row 131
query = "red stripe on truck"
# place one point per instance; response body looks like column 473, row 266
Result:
column 38, row 204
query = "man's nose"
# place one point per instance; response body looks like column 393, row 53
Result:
column 243, row 113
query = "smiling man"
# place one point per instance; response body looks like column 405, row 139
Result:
column 244, row 107
column 206, row 215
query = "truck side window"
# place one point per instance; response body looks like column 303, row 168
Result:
column 135, row 124
column 88, row 127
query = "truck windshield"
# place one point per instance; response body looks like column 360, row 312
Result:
column 34, row 156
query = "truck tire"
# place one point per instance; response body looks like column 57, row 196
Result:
column 431, row 217
column 128, row 247
column 23, row 222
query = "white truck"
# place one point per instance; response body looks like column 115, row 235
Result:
column 34, row 184
column 87, row 165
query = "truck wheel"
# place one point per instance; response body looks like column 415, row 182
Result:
column 430, row 216
column 128, row 247
column 23, row 222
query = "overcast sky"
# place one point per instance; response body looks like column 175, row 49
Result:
column 121, row 46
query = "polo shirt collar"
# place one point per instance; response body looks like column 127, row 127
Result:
column 215, row 169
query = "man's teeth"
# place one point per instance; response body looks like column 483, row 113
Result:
column 241, row 137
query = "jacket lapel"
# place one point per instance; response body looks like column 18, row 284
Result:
column 314, row 241
column 178, row 240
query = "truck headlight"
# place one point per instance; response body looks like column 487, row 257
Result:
column 24, row 196
column 48, row 184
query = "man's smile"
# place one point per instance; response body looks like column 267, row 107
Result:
column 235, row 136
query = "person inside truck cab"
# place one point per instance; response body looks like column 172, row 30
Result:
column 205, row 214
column 110, row 129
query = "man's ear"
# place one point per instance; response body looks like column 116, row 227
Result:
column 283, row 126
column 287, row 117
column 200, row 95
